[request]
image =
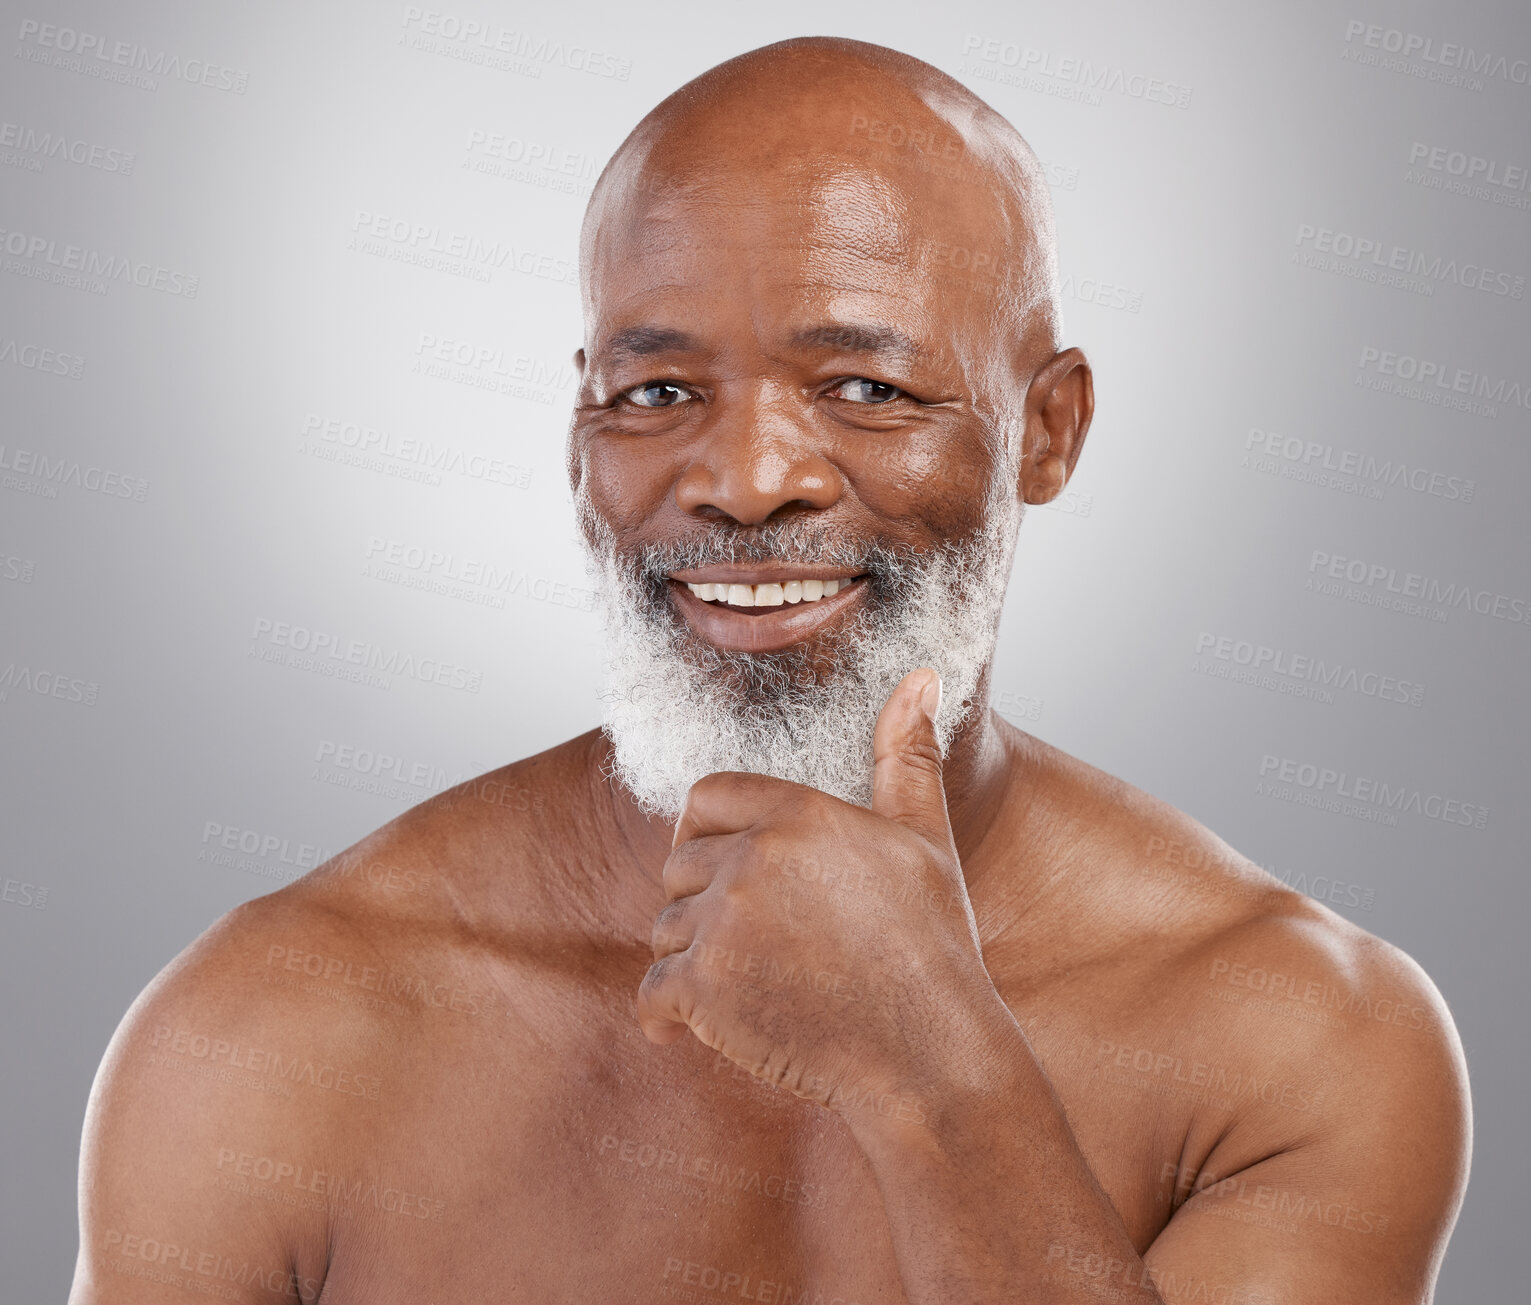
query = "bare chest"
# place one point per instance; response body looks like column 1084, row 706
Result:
column 592, row 1164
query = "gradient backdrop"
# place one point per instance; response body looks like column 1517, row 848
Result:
column 286, row 316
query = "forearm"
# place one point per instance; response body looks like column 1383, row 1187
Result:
column 990, row 1199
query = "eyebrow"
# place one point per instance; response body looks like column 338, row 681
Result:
column 842, row 337
column 856, row 337
column 643, row 341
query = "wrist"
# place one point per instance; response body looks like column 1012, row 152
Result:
column 963, row 1088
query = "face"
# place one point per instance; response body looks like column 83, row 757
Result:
column 794, row 459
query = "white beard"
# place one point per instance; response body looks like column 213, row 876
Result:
column 678, row 709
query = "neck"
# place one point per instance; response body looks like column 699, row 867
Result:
column 976, row 775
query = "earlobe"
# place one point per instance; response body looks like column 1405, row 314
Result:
column 1043, row 481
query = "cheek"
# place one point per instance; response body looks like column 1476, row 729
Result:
column 627, row 482
column 926, row 482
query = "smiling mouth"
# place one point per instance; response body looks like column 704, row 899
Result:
column 764, row 609
column 761, row 598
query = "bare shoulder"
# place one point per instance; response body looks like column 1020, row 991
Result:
column 1167, row 888
column 219, row 1072
column 406, row 913
column 256, row 1072
column 1357, row 1140
column 1228, row 971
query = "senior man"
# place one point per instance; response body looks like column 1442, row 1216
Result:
column 808, row 978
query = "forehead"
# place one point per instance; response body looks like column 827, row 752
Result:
column 829, row 236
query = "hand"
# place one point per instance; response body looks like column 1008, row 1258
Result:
column 824, row 947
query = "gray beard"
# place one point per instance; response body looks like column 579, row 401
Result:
column 676, row 708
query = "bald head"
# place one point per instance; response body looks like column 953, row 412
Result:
column 880, row 154
column 825, row 272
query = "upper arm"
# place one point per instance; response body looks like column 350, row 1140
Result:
column 1361, row 1206
column 193, row 1089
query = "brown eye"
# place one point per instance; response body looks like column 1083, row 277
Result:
column 657, row 394
column 861, row 390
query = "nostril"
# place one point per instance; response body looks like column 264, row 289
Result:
column 753, row 481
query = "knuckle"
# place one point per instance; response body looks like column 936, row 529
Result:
column 668, row 931
column 756, row 843
column 676, row 868
column 924, row 752
column 660, row 973
column 720, row 783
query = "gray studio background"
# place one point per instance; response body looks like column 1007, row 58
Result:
column 289, row 422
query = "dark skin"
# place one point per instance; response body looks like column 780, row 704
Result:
column 995, row 1038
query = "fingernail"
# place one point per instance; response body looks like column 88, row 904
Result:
column 930, row 696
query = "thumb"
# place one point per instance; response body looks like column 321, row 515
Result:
column 906, row 759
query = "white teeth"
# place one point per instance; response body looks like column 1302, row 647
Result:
column 768, row 595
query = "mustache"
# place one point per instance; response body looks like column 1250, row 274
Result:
column 792, row 542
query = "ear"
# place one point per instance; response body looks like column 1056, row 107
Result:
column 1059, row 405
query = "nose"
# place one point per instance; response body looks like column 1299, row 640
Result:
column 753, row 464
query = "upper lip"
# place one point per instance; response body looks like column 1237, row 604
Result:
column 760, row 573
